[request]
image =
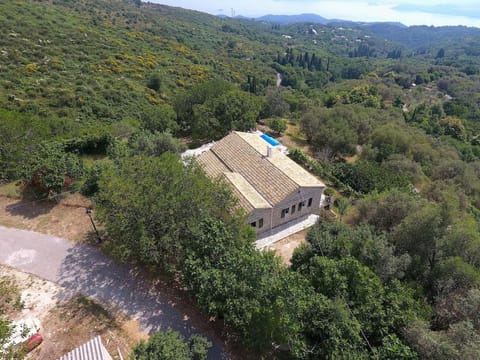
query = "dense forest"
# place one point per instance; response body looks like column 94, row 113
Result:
column 100, row 97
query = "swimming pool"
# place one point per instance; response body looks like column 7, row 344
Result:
column 269, row 140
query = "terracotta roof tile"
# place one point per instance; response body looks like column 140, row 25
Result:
column 241, row 157
column 242, row 200
column 249, row 196
column 212, row 165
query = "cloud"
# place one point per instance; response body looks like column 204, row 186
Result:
column 444, row 9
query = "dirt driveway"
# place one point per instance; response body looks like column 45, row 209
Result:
column 80, row 269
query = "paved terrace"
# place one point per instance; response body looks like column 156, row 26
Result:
column 287, row 229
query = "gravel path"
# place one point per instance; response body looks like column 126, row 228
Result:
column 83, row 269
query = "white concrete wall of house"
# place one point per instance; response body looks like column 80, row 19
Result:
column 273, row 217
column 268, row 238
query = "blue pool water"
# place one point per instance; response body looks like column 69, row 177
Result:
column 269, row 140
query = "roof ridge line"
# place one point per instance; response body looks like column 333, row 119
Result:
column 220, row 159
column 245, row 141
column 253, row 187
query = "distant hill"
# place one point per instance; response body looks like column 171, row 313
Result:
column 416, row 37
column 291, row 19
column 391, row 24
column 317, row 19
column 419, row 39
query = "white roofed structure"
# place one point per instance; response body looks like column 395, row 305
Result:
column 92, row 350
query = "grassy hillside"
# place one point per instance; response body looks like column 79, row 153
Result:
column 92, row 60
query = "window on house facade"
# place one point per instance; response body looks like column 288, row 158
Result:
column 260, row 223
column 284, row 212
column 301, row 205
column 310, row 202
column 253, row 224
column 293, row 209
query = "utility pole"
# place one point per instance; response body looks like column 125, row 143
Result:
column 88, row 211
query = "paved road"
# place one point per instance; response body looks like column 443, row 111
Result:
column 83, row 269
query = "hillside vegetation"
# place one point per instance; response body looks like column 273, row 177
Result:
column 101, row 96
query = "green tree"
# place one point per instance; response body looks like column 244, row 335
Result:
column 233, row 110
column 337, row 240
column 454, row 127
column 452, row 277
column 278, row 125
column 430, row 344
column 92, row 176
column 19, row 134
column 329, row 131
column 185, row 103
column 391, row 139
column 342, row 205
column 155, row 82
column 275, row 103
column 151, row 207
column 364, row 94
column 159, row 118
column 367, row 176
column 261, row 300
column 393, row 348
column 50, row 169
column 232, row 281
column 440, row 54
column 171, row 345
column 405, row 166
column 328, row 329
column 199, row 346
column 379, row 309
column 384, row 211
column 155, row 144
column 421, row 235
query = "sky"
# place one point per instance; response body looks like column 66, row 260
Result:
column 408, row 12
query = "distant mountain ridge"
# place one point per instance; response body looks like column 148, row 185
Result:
column 291, row 19
column 415, row 38
column 314, row 18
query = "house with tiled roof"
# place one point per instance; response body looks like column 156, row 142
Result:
column 270, row 187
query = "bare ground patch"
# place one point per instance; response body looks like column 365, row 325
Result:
column 66, row 219
column 292, row 139
column 78, row 320
column 285, row 247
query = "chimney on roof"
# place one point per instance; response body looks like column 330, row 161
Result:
column 269, row 151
